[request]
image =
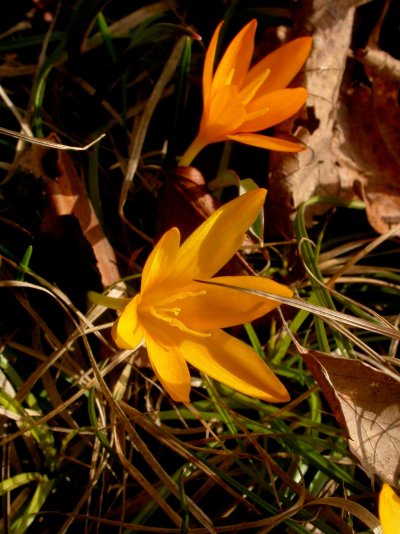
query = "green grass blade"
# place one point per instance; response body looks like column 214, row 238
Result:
column 17, row 481
column 20, row 525
column 24, row 263
column 41, row 433
column 105, row 33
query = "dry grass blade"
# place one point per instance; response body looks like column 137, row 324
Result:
column 48, row 144
column 25, row 127
column 140, row 134
column 141, row 479
column 354, row 508
column 364, row 252
column 323, row 313
column 163, row 436
column 122, row 422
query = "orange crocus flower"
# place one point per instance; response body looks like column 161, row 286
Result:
column 181, row 320
column 239, row 100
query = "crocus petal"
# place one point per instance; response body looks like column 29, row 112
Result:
column 235, row 364
column 161, row 259
column 222, row 307
column 127, row 331
column 248, row 92
column 224, row 113
column 168, row 363
column 217, row 239
column 264, row 141
column 279, row 106
column 284, row 63
column 389, row 510
column 208, row 70
column 235, row 62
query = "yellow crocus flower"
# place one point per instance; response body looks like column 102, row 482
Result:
column 239, row 100
column 389, row 510
column 181, row 319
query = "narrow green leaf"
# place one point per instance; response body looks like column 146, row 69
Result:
column 24, row 263
column 43, row 489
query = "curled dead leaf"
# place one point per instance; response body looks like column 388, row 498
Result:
column 367, row 154
column 67, row 195
column 352, row 131
column 294, row 178
column 366, row 404
column 379, row 63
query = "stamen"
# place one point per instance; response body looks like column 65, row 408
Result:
column 248, row 91
column 256, row 113
column 162, row 314
column 229, row 78
column 179, row 296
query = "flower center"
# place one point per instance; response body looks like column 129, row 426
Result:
column 167, row 310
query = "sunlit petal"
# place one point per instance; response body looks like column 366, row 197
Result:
column 224, row 113
column 284, row 63
column 222, row 307
column 235, row 62
column 161, row 259
column 178, row 317
column 208, row 70
column 389, row 510
column 168, row 363
column 248, row 92
column 127, row 331
column 264, row 141
column 235, row 99
column 280, row 105
column 217, row 239
column 235, row 364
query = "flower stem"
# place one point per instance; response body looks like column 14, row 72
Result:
column 108, row 302
column 191, row 152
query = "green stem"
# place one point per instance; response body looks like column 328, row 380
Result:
column 191, row 152
column 114, row 303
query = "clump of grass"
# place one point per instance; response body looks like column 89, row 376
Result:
column 89, row 440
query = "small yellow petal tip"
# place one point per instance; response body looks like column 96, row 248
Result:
column 389, row 510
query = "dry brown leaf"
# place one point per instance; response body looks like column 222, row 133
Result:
column 366, row 404
column 294, row 178
column 379, row 63
column 67, row 196
column 367, row 149
column 184, row 200
column 352, row 131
